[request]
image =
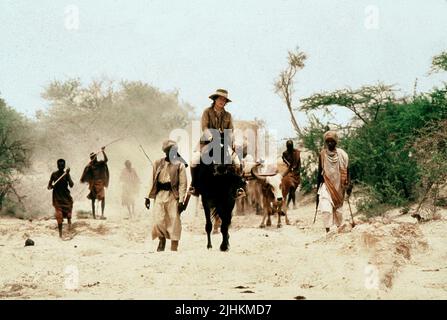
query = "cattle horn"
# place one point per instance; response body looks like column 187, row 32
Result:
column 254, row 172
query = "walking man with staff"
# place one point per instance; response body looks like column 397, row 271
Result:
column 333, row 181
column 59, row 182
column 96, row 174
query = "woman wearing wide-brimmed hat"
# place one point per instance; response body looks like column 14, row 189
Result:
column 217, row 118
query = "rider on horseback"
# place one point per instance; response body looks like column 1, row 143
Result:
column 217, row 131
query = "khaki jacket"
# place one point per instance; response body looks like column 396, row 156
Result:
column 211, row 120
column 177, row 175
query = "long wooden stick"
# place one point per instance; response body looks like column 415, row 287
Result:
column 98, row 152
column 142, row 149
column 316, row 207
column 65, row 173
column 350, row 210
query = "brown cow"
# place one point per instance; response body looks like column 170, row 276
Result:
column 275, row 189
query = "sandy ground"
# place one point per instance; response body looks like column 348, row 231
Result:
column 390, row 258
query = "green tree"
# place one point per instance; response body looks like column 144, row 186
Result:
column 365, row 102
column 431, row 154
column 439, row 62
column 15, row 151
column 380, row 135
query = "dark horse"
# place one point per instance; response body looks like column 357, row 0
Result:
column 218, row 183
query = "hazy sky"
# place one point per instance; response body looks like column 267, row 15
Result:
column 198, row 46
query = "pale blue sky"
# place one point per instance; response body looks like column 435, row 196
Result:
column 198, row 46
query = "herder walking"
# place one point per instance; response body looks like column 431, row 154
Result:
column 59, row 182
column 96, row 174
column 333, row 181
column 130, row 187
column 168, row 191
column 291, row 157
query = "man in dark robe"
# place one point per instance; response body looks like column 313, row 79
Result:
column 291, row 157
column 62, row 200
column 96, row 174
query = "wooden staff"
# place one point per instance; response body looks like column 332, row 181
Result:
column 65, row 173
column 352, row 217
column 142, row 149
column 96, row 153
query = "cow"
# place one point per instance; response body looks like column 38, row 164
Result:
column 253, row 195
column 251, row 201
column 274, row 190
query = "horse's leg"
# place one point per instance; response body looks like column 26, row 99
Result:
column 226, row 221
column 209, row 223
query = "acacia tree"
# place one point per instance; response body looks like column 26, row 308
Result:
column 431, row 146
column 284, row 85
column 15, row 149
column 431, row 154
column 365, row 102
column 439, row 62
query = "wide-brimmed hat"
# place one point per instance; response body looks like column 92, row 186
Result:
column 220, row 93
column 168, row 144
